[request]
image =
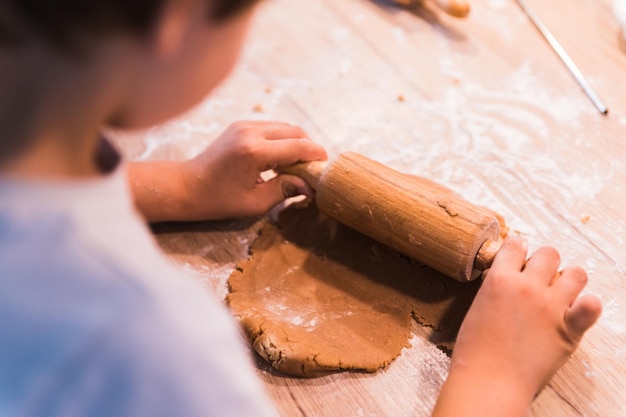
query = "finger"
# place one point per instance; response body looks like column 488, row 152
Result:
column 279, row 188
column 290, row 151
column 543, row 264
column 583, row 314
column 268, row 130
column 257, row 124
column 278, row 130
column 511, row 256
column 569, row 284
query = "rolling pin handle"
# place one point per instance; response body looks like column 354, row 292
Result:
column 308, row 171
column 486, row 253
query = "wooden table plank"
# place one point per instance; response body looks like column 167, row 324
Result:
column 488, row 110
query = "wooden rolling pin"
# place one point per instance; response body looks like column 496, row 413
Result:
column 456, row 8
column 417, row 218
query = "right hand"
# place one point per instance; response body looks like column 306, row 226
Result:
column 525, row 322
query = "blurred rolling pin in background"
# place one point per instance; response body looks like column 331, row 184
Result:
column 456, row 8
column 414, row 216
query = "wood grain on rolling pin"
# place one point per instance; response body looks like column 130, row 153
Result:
column 417, row 218
column 456, row 8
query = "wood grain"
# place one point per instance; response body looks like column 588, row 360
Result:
column 481, row 105
column 415, row 217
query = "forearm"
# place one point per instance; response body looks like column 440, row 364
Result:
column 159, row 190
column 467, row 394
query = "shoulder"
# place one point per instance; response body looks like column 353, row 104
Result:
column 98, row 336
column 178, row 364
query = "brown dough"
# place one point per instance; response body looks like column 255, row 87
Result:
column 317, row 297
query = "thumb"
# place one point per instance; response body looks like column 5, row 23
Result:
column 583, row 314
column 284, row 186
column 293, row 186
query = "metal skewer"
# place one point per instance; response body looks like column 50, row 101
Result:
column 569, row 63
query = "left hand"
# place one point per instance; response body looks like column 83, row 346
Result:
column 224, row 181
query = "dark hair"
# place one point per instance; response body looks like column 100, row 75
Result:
column 70, row 24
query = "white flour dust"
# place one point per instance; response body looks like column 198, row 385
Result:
column 214, row 276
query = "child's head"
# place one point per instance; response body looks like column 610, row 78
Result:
column 178, row 50
column 69, row 24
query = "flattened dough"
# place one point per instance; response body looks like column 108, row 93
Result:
column 316, row 297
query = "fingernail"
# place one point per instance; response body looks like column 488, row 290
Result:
column 521, row 241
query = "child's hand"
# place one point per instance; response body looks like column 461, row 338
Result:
column 524, row 324
column 224, row 181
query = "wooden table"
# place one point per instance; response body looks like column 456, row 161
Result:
column 482, row 105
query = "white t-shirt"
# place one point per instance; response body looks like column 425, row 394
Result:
column 94, row 321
